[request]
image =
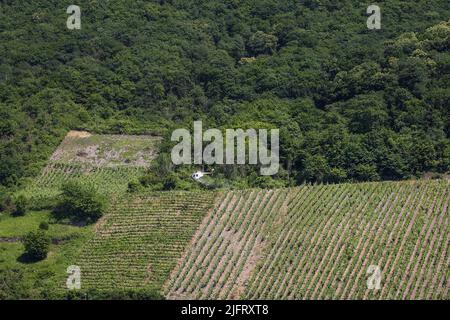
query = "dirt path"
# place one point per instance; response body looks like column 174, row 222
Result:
column 10, row 239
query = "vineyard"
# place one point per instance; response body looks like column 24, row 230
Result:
column 308, row 242
column 317, row 242
column 108, row 180
column 138, row 242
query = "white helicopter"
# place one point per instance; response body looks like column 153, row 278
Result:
column 199, row 174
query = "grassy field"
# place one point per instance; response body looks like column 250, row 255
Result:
column 44, row 278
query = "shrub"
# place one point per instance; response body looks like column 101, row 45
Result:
column 170, row 182
column 134, row 186
column 151, row 181
column 265, row 182
column 6, row 203
column 80, row 202
column 36, row 244
column 43, row 225
column 158, row 183
column 12, row 284
column 20, row 207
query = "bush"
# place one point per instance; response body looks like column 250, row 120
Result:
column 12, row 284
column 20, row 207
column 336, row 175
column 159, row 182
column 170, row 182
column 6, row 203
column 151, row 181
column 80, row 202
column 265, row 182
column 134, row 186
column 43, row 225
column 36, row 244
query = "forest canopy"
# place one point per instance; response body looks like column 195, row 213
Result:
column 352, row 104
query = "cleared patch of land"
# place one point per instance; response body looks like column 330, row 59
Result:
column 107, row 161
column 80, row 147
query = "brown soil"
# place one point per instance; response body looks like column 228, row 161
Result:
column 89, row 152
column 244, row 276
column 10, row 239
column 78, row 134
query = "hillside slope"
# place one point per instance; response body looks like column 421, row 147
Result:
column 310, row 242
column 318, row 242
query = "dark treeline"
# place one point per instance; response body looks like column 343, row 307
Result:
column 352, row 104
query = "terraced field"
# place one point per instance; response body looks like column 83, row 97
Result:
column 107, row 161
column 138, row 242
column 317, row 242
column 108, row 180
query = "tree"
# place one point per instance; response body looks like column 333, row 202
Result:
column 12, row 284
column 20, row 206
column 315, row 168
column 170, row 182
column 366, row 172
column 6, row 201
column 413, row 75
column 36, row 244
column 262, row 43
column 336, row 175
column 80, row 202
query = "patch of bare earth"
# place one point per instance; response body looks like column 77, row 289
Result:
column 198, row 259
column 78, row 134
column 10, row 239
column 244, row 276
column 88, row 153
column 82, row 147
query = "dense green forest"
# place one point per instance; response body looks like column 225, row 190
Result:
column 352, row 104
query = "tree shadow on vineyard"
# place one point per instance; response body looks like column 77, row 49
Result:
column 26, row 258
